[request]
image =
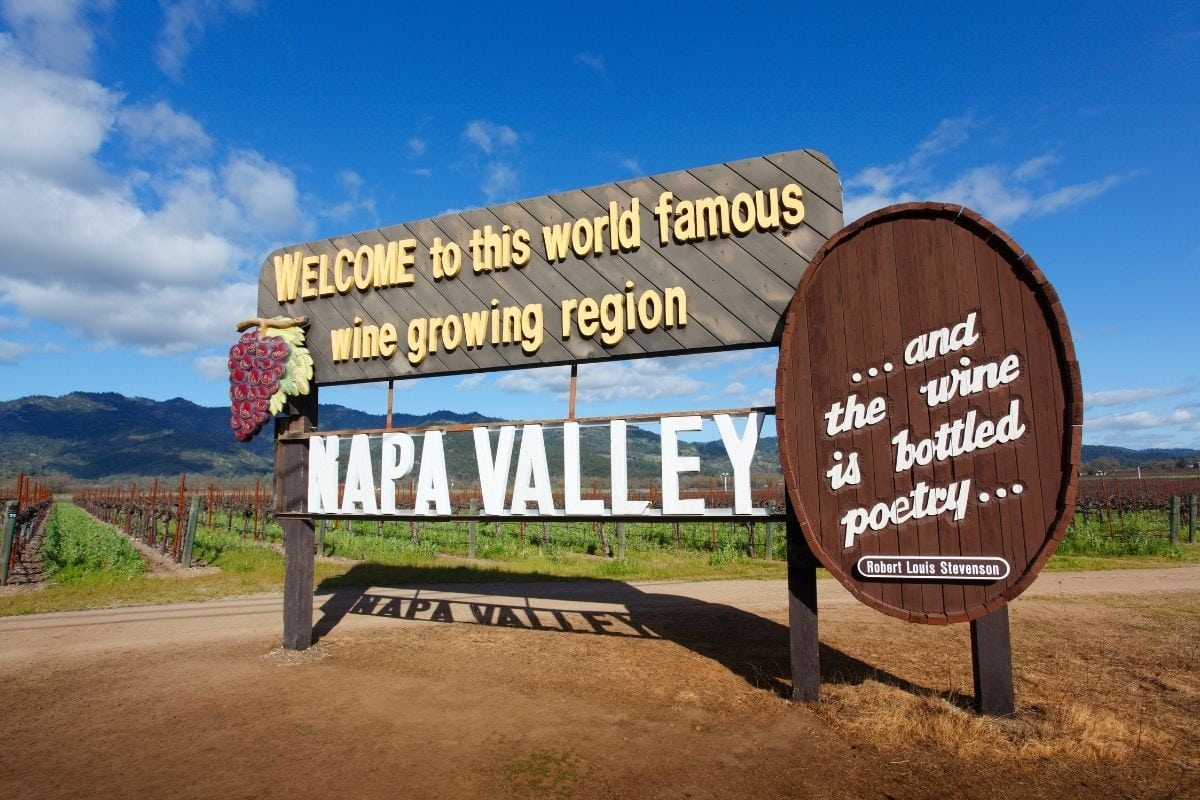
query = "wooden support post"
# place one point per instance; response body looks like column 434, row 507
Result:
column 321, row 529
column 620, row 541
column 571, row 395
column 291, row 493
column 1174, row 519
column 10, row 527
column 472, row 530
column 802, row 614
column 991, row 664
column 391, row 394
column 769, row 541
column 1191, row 519
column 185, row 557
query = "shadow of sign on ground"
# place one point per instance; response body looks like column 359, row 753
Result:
column 750, row 646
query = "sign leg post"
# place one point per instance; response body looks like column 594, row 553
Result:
column 802, row 614
column 299, row 533
column 991, row 662
column 298, row 543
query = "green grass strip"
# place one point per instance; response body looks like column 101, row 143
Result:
column 78, row 549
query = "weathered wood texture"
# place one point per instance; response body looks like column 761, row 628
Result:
column 892, row 276
column 737, row 287
column 991, row 663
column 804, row 644
column 291, row 488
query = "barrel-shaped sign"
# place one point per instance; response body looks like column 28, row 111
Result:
column 929, row 413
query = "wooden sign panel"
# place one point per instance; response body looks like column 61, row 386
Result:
column 705, row 259
column 929, row 413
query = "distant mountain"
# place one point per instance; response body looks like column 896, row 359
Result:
column 1126, row 458
column 106, row 437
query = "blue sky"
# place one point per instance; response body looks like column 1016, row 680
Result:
column 152, row 154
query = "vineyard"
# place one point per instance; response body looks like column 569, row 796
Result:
column 25, row 511
column 167, row 518
column 1138, row 510
column 1112, row 516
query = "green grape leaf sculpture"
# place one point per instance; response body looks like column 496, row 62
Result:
column 268, row 364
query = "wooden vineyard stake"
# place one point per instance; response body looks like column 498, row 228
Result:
column 6, row 545
column 190, row 538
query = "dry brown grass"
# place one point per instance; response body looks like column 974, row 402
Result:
column 1107, row 689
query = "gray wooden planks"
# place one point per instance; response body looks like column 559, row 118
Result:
column 737, row 286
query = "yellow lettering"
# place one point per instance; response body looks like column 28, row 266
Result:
column 589, row 312
column 341, row 281
column 676, row 303
column 741, row 213
column 685, row 221
column 557, row 239
column 476, row 328
column 326, row 288
column 793, row 205
column 416, row 342
column 568, row 309
column 521, row 251
column 339, row 343
column 662, row 212
column 712, row 217
column 287, row 276
column 362, row 267
column 387, row 340
column 310, row 274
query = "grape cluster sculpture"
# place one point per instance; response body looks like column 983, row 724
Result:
column 268, row 364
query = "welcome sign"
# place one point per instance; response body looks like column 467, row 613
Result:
column 692, row 261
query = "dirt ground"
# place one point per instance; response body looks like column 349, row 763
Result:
column 602, row 689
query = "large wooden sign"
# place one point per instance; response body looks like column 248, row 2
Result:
column 704, row 259
column 929, row 413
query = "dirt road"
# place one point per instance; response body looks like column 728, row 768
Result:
column 600, row 689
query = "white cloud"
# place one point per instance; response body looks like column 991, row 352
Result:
column 11, row 352
column 735, row 388
column 489, row 136
column 499, row 181
column 763, row 397
column 593, row 62
column 156, row 129
column 153, row 319
column 416, row 146
column 1002, row 194
column 1138, row 420
column 92, row 240
column 51, row 124
column 265, row 191
column 151, row 257
column 212, row 368
column 599, row 382
column 1116, row 397
column 763, row 369
column 56, row 32
column 471, row 381
column 184, row 23
column 352, row 183
column 1035, row 167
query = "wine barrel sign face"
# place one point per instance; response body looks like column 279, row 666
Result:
column 929, row 413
